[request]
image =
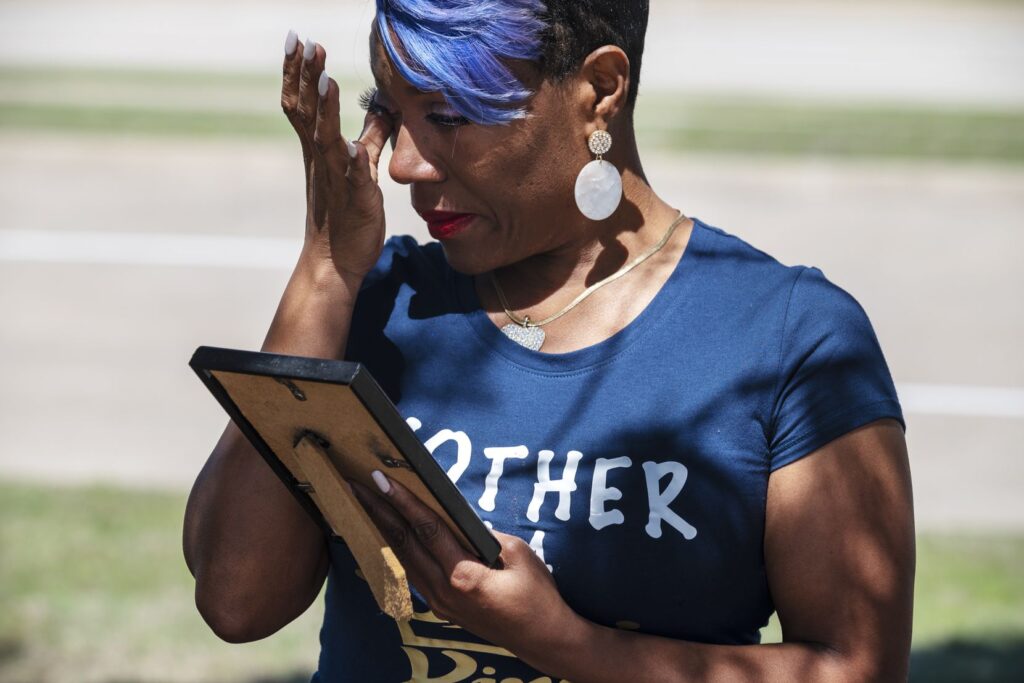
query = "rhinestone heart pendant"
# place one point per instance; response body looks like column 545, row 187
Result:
column 530, row 337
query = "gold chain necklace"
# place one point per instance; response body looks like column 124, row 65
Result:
column 528, row 333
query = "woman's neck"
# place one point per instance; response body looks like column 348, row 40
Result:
column 593, row 250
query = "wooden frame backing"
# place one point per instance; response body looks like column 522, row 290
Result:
column 278, row 401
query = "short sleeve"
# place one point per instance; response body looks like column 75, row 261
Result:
column 832, row 376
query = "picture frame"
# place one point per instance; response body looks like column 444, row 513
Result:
column 338, row 409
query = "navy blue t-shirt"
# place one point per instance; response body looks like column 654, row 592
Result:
column 636, row 467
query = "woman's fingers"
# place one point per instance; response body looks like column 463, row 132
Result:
column 290, row 97
column 513, row 549
column 312, row 64
column 344, row 207
column 327, row 137
column 366, row 198
column 429, row 529
column 376, row 131
column 422, row 568
column 290, row 77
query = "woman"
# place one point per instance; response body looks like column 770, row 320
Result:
column 700, row 436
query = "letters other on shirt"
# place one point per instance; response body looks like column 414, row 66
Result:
column 664, row 483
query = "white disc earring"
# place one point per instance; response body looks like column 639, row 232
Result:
column 599, row 186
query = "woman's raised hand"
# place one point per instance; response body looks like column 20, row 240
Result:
column 344, row 204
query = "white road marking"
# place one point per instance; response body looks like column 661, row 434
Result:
column 233, row 251
column 960, row 399
column 165, row 249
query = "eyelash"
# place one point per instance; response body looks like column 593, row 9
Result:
column 368, row 102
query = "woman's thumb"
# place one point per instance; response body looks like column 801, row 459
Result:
column 376, row 131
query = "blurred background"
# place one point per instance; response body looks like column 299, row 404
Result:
column 151, row 200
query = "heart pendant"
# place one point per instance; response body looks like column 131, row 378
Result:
column 530, row 337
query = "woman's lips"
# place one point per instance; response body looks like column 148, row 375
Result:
column 443, row 224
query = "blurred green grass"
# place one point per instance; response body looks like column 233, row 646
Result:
column 94, row 588
column 209, row 104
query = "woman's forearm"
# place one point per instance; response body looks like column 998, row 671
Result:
column 315, row 312
column 597, row 654
column 257, row 557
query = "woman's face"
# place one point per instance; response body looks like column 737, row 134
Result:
column 516, row 180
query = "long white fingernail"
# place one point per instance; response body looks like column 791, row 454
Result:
column 352, row 149
column 290, row 42
column 381, row 481
column 325, row 80
column 309, row 50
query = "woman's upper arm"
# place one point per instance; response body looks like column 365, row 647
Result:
column 839, row 551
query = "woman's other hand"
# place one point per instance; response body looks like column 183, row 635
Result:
column 517, row 607
column 344, row 206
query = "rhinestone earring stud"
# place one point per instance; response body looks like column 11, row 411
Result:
column 599, row 185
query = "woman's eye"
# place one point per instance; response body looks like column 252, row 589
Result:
column 368, row 101
column 446, row 120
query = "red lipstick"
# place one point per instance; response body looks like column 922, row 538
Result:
column 446, row 224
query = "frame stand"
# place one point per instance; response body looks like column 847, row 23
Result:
column 349, row 520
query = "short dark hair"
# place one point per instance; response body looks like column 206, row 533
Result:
column 575, row 28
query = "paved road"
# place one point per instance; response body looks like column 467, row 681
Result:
column 93, row 354
column 959, row 52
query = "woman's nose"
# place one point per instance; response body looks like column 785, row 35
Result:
column 408, row 163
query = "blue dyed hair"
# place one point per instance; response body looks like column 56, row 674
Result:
column 455, row 47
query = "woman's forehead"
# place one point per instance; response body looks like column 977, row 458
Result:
column 380, row 64
column 384, row 72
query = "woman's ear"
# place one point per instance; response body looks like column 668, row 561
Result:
column 604, row 76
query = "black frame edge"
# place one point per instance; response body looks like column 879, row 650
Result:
column 213, row 358
column 447, row 494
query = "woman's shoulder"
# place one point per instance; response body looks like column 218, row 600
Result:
column 797, row 303
column 735, row 255
column 734, row 271
column 738, row 264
